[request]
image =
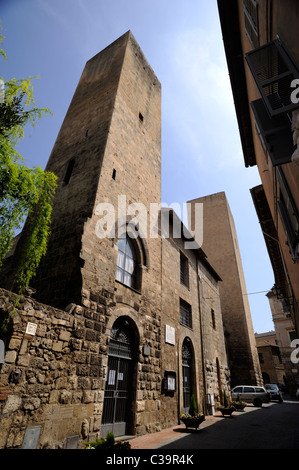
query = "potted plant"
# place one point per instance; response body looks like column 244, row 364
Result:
column 226, row 409
column 108, row 443
column 238, row 404
column 192, row 419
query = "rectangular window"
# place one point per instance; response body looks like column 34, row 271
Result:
column 261, row 358
column 69, row 171
column 184, row 270
column 292, row 335
column 289, row 215
column 251, row 21
column 185, row 314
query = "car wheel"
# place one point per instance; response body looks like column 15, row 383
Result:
column 257, row 402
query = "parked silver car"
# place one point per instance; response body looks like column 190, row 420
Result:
column 251, row 394
column 274, row 391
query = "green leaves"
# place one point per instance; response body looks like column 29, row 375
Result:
column 24, row 192
column 1, row 39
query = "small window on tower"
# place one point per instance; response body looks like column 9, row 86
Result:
column 213, row 319
column 141, row 117
column 184, row 270
column 114, row 174
column 69, row 171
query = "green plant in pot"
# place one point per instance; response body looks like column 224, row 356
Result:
column 238, row 404
column 192, row 419
column 226, row 409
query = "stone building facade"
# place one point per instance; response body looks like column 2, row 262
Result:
column 270, row 358
column 262, row 50
column 125, row 324
column 220, row 242
column 285, row 335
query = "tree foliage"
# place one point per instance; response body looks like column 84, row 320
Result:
column 24, row 192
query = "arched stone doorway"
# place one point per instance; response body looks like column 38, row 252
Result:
column 120, row 387
column 266, row 378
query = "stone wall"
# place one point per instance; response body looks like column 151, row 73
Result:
column 214, row 348
column 55, row 379
column 220, row 243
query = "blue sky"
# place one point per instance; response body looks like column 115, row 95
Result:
column 181, row 39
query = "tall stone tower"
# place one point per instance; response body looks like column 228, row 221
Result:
column 111, row 130
column 220, row 243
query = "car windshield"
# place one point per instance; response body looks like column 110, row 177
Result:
column 271, row 387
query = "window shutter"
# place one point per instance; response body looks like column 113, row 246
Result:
column 289, row 214
column 273, row 71
column 251, row 21
column 276, row 133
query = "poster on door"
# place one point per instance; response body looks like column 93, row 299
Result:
column 111, row 377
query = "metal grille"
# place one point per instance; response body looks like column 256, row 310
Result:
column 116, row 392
column 187, row 379
column 275, row 133
column 118, row 379
column 185, row 314
column 273, row 72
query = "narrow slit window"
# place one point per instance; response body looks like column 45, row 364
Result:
column 69, row 171
column 213, row 319
column 114, row 174
column 141, row 117
column 184, row 270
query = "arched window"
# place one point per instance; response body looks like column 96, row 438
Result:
column 126, row 262
column 187, row 360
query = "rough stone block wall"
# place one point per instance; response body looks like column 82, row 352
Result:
column 172, row 291
column 216, row 365
column 55, row 379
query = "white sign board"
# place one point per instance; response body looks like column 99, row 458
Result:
column 31, row 328
column 171, row 383
column 169, row 334
column 2, row 351
column 111, row 377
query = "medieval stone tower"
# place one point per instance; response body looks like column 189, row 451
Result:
column 221, row 245
column 119, row 338
column 109, row 145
